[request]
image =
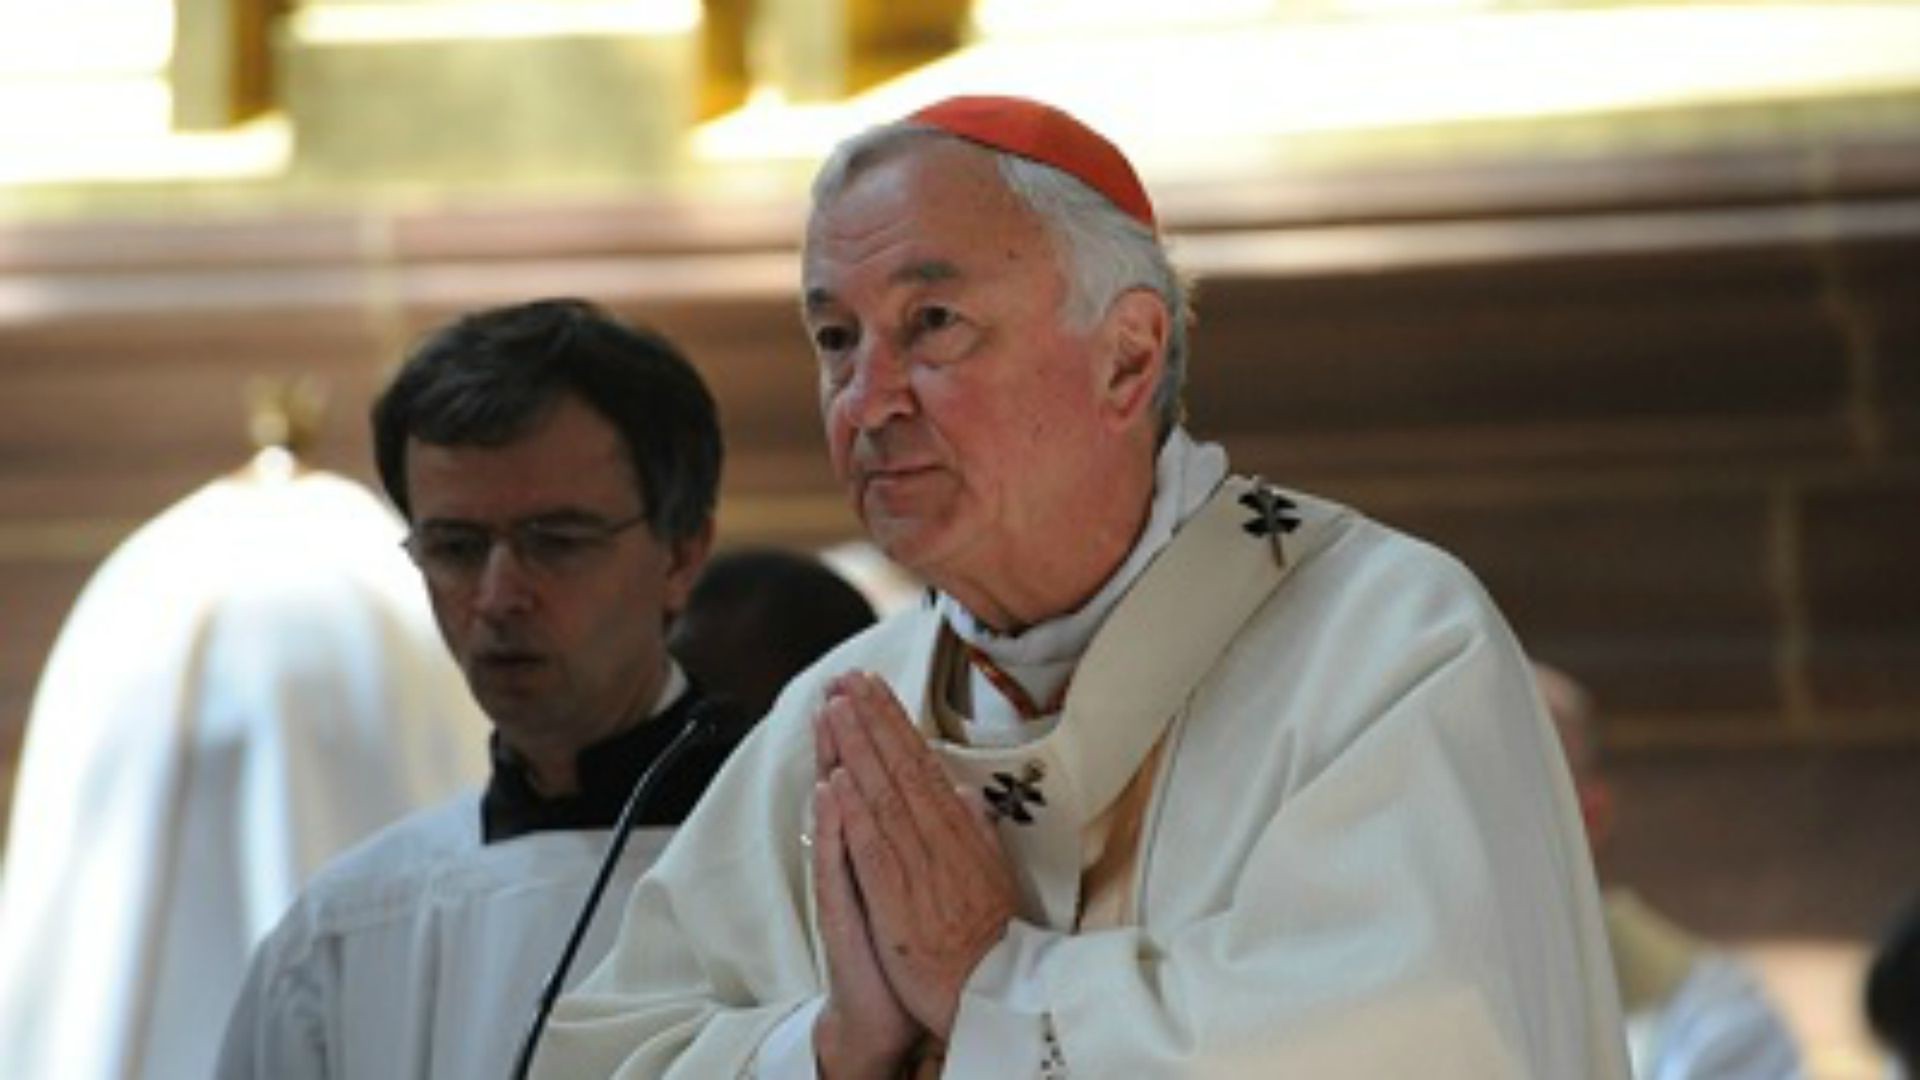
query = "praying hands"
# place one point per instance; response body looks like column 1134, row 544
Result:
column 909, row 880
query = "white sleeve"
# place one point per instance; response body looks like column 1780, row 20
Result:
column 713, row 955
column 1445, row 1031
column 1003, row 1028
column 787, row 1053
column 277, row 1030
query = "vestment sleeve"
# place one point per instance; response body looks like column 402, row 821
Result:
column 1415, row 904
column 787, row 1051
column 278, row 1027
column 714, row 950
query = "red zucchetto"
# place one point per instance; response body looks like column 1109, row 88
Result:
column 1047, row 135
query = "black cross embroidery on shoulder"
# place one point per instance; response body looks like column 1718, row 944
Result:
column 1274, row 514
column 1009, row 796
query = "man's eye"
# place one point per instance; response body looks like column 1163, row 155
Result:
column 460, row 549
column 555, row 547
column 832, row 339
column 935, row 317
column 938, row 334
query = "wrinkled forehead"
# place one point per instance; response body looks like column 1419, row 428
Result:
column 920, row 170
column 931, row 206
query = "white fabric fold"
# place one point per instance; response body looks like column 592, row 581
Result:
column 249, row 684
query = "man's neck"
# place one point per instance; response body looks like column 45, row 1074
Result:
column 551, row 757
column 1052, row 576
column 554, row 775
column 1185, row 474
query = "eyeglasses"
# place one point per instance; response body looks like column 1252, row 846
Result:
column 454, row 554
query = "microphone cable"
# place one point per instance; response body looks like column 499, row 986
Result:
column 699, row 728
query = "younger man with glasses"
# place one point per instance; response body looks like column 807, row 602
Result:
column 558, row 470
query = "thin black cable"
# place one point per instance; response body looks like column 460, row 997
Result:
column 698, row 729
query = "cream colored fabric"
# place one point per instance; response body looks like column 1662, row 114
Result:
column 1361, row 859
column 1651, row 956
column 1111, row 847
column 248, row 685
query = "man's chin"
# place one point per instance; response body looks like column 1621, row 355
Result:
column 505, row 690
column 528, row 717
column 914, row 543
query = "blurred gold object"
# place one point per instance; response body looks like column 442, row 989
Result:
column 285, row 412
column 888, row 39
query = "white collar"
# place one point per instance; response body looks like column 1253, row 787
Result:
column 1042, row 656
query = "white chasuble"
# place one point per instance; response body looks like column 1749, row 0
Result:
column 1358, row 853
column 1049, row 794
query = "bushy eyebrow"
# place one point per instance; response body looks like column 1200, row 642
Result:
column 920, row 273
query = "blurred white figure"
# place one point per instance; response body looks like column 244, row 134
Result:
column 1693, row 1011
column 248, row 685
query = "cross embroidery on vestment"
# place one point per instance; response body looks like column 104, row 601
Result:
column 1009, row 795
column 1274, row 514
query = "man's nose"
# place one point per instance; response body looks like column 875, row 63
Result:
column 503, row 586
column 880, row 389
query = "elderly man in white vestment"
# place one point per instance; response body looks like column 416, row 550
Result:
column 558, row 469
column 1176, row 774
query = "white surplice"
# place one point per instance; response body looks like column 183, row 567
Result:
column 420, row 954
column 1360, row 856
column 248, row 685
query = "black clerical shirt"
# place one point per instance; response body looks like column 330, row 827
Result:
column 607, row 771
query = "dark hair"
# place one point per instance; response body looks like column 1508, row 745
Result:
column 1893, row 988
column 487, row 377
column 759, row 616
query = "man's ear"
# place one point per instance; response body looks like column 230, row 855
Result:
column 1597, row 810
column 687, row 557
column 1136, row 331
